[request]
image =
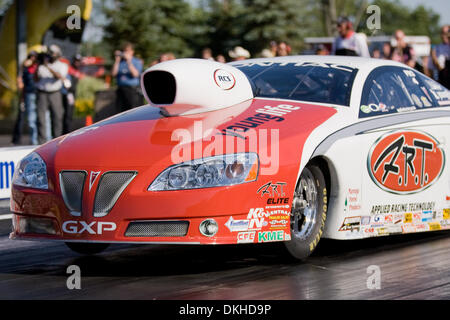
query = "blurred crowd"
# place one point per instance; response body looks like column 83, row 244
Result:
column 48, row 82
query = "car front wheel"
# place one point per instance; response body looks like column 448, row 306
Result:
column 308, row 213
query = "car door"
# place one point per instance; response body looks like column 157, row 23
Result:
column 390, row 166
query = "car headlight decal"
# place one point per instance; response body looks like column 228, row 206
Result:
column 216, row 171
column 31, row 172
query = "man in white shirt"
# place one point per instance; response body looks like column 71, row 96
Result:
column 50, row 77
column 349, row 43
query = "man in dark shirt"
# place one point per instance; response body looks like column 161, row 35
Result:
column 27, row 85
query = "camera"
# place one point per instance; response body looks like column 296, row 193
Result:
column 44, row 57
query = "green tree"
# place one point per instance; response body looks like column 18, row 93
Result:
column 153, row 26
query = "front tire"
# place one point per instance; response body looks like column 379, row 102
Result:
column 87, row 248
column 308, row 213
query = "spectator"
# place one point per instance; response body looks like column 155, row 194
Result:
column 25, row 83
column 166, row 57
column 283, row 49
column 49, row 77
column 127, row 68
column 376, row 53
column 322, row 50
column 220, row 58
column 239, row 53
column 207, row 54
column 69, row 93
column 349, row 43
column 402, row 52
column 440, row 57
column 271, row 52
column 387, row 50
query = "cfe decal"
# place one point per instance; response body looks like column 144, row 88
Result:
column 405, row 162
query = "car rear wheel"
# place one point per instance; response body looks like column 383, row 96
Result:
column 308, row 213
column 87, row 248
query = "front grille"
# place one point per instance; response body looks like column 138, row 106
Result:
column 110, row 187
column 72, row 184
column 157, row 229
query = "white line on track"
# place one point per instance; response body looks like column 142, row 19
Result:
column 6, row 216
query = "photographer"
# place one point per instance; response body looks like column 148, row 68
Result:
column 127, row 69
column 50, row 76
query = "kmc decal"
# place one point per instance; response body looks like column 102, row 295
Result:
column 405, row 162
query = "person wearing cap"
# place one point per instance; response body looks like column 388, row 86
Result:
column 239, row 53
column 349, row 43
column 49, row 77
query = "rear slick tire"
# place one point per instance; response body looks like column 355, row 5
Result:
column 308, row 213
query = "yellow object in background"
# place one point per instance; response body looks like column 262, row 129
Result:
column 40, row 16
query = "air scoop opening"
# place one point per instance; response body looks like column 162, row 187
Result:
column 160, row 86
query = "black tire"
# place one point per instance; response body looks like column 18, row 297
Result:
column 305, row 235
column 87, row 248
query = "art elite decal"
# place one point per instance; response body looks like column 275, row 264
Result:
column 405, row 162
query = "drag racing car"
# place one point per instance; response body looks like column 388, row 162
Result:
column 288, row 149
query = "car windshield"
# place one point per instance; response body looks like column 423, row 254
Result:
column 305, row 81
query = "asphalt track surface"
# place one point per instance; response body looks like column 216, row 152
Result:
column 412, row 267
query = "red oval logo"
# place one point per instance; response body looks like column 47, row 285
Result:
column 405, row 162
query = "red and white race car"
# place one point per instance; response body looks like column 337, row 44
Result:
column 284, row 149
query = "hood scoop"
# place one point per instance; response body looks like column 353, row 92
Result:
column 187, row 86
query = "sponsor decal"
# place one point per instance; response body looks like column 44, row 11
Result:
column 446, row 214
column 224, row 79
column 93, row 227
column 421, row 227
column 256, row 217
column 365, row 220
column 6, row 174
column 445, row 224
column 92, row 177
column 274, row 224
column 246, row 237
column 351, row 224
column 382, row 231
column 270, row 236
column 408, row 228
column 263, row 115
column 388, row 219
column 378, row 220
column 427, row 215
column 237, row 225
column 405, row 162
column 275, row 192
column 408, row 218
column 402, row 207
column 434, row 226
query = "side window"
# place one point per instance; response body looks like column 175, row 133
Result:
column 391, row 89
column 436, row 91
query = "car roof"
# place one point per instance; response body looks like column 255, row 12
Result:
column 350, row 61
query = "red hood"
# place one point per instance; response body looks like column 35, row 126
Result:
column 142, row 137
